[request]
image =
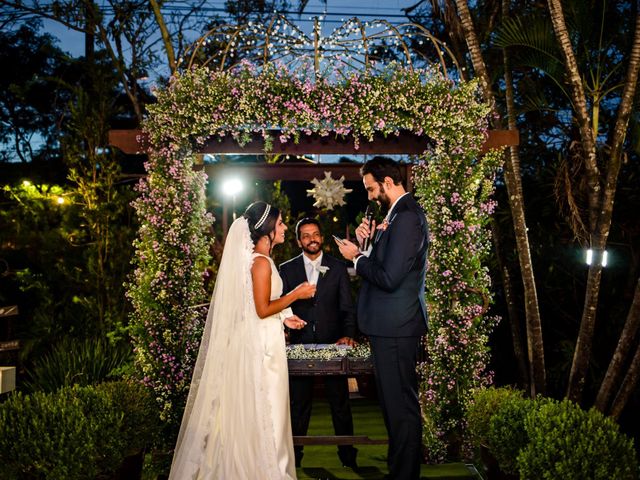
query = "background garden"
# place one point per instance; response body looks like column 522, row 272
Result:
column 72, row 239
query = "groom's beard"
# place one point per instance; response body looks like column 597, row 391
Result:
column 383, row 199
column 312, row 248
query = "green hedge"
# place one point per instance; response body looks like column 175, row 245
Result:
column 482, row 407
column 570, row 443
column 547, row 439
column 75, row 432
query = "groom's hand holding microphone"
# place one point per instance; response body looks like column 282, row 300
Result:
column 364, row 233
column 365, row 230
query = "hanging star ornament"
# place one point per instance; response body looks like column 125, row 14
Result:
column 328, row 192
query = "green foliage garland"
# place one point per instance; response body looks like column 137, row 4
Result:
column 171, row 254
column 455, row 185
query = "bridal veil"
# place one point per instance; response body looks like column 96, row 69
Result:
column 227, row 431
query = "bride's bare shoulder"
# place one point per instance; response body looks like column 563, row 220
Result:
column 260, row 263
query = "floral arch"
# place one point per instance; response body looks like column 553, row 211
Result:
column 218, row 98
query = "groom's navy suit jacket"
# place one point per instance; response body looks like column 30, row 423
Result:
column 391, row 299
column 330, row 314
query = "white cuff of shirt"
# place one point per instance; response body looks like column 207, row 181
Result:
column 364, row 253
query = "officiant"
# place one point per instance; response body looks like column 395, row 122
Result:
column 330, row 317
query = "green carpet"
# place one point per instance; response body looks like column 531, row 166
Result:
column 322, row 462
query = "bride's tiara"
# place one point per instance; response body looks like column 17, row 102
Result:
column 263, row 218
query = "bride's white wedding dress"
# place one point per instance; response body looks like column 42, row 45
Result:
column 236, row 424
column 271, row 330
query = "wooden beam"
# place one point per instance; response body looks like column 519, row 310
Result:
column 134, row 142
column 296, row 171
column 338, row 440
column 130, row 142
column 9, row 311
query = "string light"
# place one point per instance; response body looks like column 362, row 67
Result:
column 353, row 39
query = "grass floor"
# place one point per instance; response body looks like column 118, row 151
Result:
column 322, row 462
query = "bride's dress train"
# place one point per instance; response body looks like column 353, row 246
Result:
column 236, row 424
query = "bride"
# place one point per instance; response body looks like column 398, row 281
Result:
column 236, row 423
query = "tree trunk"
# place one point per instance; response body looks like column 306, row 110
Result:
column 579, row 101
column 514, row 190
column 628, row 386
column 535, row 345
column 622, row 351
column 166, row 37
column 601, row 200
column 512, row 311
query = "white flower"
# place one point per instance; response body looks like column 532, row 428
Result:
column 323, row 269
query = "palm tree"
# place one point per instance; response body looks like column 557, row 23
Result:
column 602, row 177
column 516, row 202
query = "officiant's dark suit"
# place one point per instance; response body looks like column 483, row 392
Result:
column 391, row 308
column 330, row 318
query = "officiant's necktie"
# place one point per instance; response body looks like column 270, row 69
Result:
column 313, row 271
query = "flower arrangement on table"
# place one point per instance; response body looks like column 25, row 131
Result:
column 328, row 352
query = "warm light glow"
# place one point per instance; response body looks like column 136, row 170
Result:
column 26, row 183
column 232, row 186
column 60, row 200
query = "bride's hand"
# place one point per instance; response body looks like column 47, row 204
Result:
column 305, row 290
column 295, row 322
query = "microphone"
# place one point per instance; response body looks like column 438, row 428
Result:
column 368, row 214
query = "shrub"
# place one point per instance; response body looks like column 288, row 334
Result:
column 507, row 435
column 483, row 405
column 570, row 443
column 75, row 432
column 47, row 436
column 77, row 362
column 105, row 420
column 141, row 427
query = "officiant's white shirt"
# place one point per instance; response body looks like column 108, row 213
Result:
column 312, row 267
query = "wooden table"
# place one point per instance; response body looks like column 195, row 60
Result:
column 350, row 367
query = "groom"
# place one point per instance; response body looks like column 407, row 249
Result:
column 330, row 318
column 391, row 307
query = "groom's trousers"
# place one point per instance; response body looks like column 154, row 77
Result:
column 394, row 359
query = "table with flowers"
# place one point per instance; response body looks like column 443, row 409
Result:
column 331, row 359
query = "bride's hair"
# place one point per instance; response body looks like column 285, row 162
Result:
column 262, row 219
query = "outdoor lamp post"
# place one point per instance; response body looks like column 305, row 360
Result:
column 232, row 187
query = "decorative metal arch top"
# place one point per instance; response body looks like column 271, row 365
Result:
column 354, row 45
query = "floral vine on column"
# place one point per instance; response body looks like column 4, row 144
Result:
column 171, row 253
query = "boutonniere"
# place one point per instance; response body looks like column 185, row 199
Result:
column 385, row 223
column 383, row 226
column 323, row 269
